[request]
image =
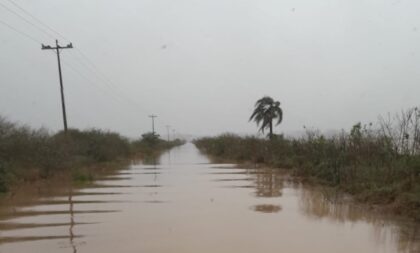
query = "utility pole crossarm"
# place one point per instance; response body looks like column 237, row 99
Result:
column 46, row 47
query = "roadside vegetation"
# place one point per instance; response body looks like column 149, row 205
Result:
column 28, row 154
column 151, row 145
column 377, row 163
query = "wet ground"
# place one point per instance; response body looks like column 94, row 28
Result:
column 181, row 202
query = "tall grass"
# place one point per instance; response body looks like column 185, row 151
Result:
column 377, row 163
column 28, row 154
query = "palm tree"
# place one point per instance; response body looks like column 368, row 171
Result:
column 266, row 110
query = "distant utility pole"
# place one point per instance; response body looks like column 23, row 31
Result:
column 167, row 129
column 153, row 122
column 63, row 103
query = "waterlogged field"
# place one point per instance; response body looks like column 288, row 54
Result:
column 182, row 202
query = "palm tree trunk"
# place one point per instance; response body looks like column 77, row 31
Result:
column 271, row 130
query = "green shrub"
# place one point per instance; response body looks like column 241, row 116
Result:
column 33, row 153
column 82, row 176
column 3, row 186
column 150, row 144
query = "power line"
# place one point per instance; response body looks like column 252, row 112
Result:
column 20, row 32
column 37, row 19
column 91, row 66
column 106, row 81
column 105, row 92
column 109, row 93
column 94, row 69
column 102, row 89
column 27, row 21
column 117, row 101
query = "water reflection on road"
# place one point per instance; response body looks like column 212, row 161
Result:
column 180, row 202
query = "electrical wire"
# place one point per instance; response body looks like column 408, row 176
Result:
column 87, row 63
column 92, row 67
column 37, row 19
column 27, row 21
column 89, row 81
column 105, row 80
column 20, row 32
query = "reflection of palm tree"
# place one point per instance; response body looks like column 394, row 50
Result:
column 267, row 208
column 268, row 183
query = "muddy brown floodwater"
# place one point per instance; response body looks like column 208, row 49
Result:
column 184, row 203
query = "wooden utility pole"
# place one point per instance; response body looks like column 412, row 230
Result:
column 63, row 103
column 167, row 130
column 153, row 123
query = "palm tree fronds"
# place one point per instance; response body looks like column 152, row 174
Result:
column 266, row 110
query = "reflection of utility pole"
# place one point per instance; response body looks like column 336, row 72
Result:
column 57, row 49
column 71, row 237
column 153, row 123
column 155, row 172
column 167, row 129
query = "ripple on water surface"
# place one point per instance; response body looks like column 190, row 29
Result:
column 181, row 202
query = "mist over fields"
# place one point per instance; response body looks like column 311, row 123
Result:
column 201, row 65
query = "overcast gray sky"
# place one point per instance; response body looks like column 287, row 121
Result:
column 201, row 64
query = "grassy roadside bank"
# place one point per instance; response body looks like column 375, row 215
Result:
column 28, row 155
column 377, row 165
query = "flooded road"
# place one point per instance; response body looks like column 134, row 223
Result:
column 184, row 203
